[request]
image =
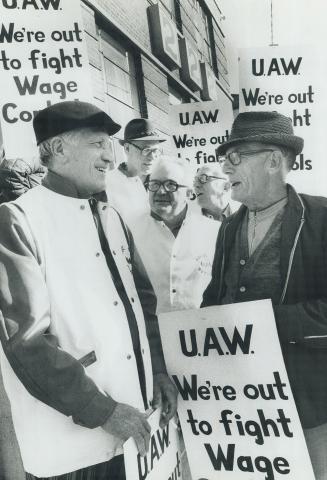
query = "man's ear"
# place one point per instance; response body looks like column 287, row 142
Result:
column 275, row 161
column 59, row 150
column 57, row 147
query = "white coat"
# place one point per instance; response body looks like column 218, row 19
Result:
column 86, row 314
column 127, row 195
column 179, row 268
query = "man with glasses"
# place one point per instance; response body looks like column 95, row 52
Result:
column 175, row 244
column 274, row 247
column 211, row 189
column 126, row 184
column 83, row 353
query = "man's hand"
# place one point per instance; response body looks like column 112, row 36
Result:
column 164, row 393
column 125, row 422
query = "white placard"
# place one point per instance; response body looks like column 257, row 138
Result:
column 236, row 407
column 291, row 81
column 162, row 461
column 43, row 60
column 197, row 129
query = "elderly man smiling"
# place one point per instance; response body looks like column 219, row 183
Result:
column 274, row 247
column 212, row 188
column 175, row 244
column 79, row 328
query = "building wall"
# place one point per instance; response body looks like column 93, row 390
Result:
column 153, row 84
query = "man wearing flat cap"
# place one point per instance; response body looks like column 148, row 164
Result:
column 126, row 184
column 83, row 354
column 274, row 247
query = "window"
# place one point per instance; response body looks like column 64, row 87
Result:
column 119, row 72
column 204, row 34
column 176, row 97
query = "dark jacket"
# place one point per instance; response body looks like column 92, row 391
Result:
column 301, row 315
column 17, row 176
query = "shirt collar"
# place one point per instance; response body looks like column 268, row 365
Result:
column 269, row 211
column 176, row 227
column 58, row 184
column 226, row 212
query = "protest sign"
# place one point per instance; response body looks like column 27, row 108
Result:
column 162, row 462
column 289, row 80
column 43, row 60
column 197, row 129
column 236, row 407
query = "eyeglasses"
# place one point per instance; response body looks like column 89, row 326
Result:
column 146, row 150
column 204, row 178
column 169, row 186
column 235, row 158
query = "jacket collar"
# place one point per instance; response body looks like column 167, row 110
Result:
column 63, row 186
column 293, row 218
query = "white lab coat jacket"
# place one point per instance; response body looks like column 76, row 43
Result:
column 179, row 268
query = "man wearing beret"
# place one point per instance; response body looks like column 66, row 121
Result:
column 274, row 247
column 83, row 354
column 126, row 184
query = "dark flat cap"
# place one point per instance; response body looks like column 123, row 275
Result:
column 141, row 129
column 262, row 127
column 66, row 116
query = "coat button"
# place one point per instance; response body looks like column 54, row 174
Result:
column 242, row 289
column 113, row 252
column 174, row 290
column 242, row 262
column 132, row 300
column 115, row 303
column 129, row 357
column 82, row 207
column 97, row 254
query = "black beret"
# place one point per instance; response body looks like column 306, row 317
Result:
column 65, row 116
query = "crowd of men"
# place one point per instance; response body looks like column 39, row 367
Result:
column 93, row 253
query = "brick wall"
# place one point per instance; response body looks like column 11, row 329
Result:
column 156, row 94
column 131, row 16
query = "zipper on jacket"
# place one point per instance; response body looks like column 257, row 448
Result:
column 290, row 263
column 222, row 264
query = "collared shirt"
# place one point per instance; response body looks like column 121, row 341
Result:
column 260, row 221
column 177, row 226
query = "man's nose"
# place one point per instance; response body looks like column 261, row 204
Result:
column 161, row 189
column 227, row 167
column 107, row 155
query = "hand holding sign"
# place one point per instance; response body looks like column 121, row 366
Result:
column 164, row 393
column 126, row 422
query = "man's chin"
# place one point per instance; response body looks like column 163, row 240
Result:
column 161, row 210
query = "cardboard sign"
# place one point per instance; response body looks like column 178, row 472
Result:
column 290, row 81
column 43, row 60
column 198, row 128
column 236, row 407
column 162, row 461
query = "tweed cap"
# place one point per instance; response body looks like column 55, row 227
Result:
column 141, row 129
column 66, row 116
column 262, row 127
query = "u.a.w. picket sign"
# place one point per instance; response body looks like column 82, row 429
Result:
column 236, row 408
